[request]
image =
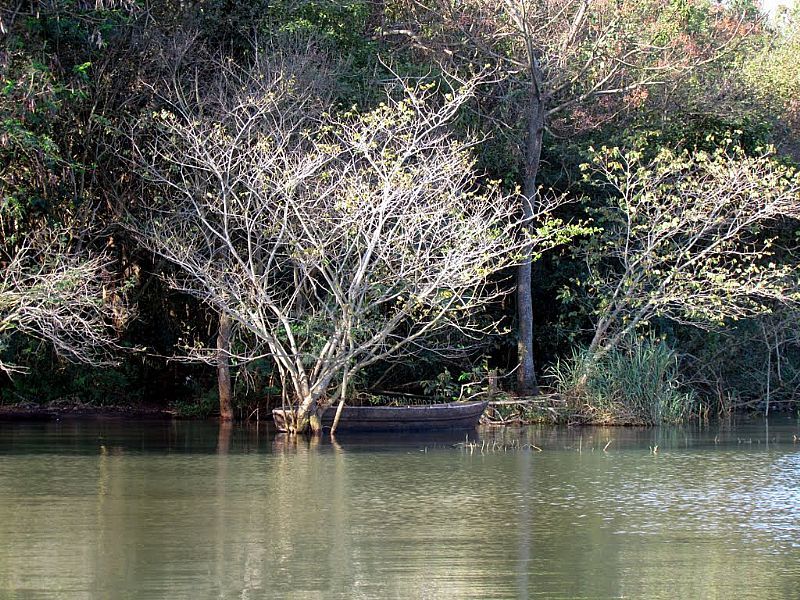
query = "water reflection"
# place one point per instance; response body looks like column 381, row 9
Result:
column 190, row 510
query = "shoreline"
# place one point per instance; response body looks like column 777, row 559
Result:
column 60, row 410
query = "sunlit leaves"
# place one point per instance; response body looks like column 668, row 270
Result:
column 690, row 236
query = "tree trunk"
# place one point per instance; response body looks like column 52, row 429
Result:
column 342, row 398
column 309, row 415
column 526, row 373
column 224, row 368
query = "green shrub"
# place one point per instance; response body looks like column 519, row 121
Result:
column 200, row 406
column 636, row 383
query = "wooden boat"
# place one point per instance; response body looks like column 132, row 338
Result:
column 454, row 415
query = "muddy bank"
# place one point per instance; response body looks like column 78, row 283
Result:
column 62, row 410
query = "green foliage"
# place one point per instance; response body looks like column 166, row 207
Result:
column 341, row 24
column 255, row 383
column 443, row 388
column 770, row 75
column 341, row 30
column 748, row 363
column 50, row 86
column 55, row 379
column 36, row 165
column 637, row 382
column 198, row 408
column 689, row 236
column 447, row 388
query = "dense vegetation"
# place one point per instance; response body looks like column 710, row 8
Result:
column 315, row 200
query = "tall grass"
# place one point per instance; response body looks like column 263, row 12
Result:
column 635, row 383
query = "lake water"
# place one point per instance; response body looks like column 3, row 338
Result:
column 116, row 509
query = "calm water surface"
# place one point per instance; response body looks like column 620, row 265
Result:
column 188, row 510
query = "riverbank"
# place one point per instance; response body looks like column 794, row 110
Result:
column 548, row 409
column 556, row 409
column 528, row 410
column 70, row 409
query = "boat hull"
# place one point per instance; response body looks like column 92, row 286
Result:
column 455, row 415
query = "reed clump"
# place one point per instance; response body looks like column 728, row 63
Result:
column 636, row 383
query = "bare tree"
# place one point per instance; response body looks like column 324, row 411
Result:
column 691, row 237
column 50, row 293
column 273, row 77
column 335, row 242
